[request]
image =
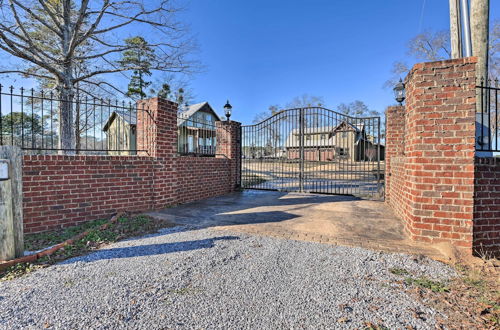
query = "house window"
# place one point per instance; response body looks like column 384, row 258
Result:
column 343, row 151
column 308, row 137
column 190, row 143
column 344, row 134
column 323, row 137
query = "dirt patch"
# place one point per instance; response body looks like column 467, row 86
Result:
column 471, row 301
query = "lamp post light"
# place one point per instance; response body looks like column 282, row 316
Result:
column 400, row 92
column 227, row 110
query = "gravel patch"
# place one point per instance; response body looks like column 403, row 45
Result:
column 203, row 278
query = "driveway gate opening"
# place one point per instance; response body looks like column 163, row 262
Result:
column 313, row 150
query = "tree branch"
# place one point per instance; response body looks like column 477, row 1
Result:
column 26, row 73
column 14, row 50
column 27, row 38
column 38, row 18
column 51, row 14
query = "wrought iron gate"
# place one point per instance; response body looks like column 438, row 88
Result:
column 313, row 150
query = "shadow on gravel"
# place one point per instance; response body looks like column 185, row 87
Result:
column 150, row 250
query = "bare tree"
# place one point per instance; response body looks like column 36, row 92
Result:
column 494, row 57
column 455, row 31
column 430, row 46
column 54, row 37
column 306, row 100
column 357, row 109
column 480, row 20
column 371, row 152
column 427, row 46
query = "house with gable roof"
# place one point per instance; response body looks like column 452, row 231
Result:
column 346, row 141
column 196, row 131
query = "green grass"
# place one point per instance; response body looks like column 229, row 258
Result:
column 399, row 271
column 35, row 242
column 421, row 282
column 17, row 270
column 426, row 283
column 372, row 326
column 183, row 291
column 479, row 283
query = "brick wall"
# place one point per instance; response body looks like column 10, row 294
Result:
column 487, row 206
column 395, row 126
column 203, row 177
column 431, row 182
column 61, row 191
column 229, row 147
column 66, row 190
column 398, row 189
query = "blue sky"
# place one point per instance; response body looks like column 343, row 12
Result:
column 264, row 52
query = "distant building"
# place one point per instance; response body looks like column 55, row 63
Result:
column 121, row 135
column 328, row 143
column 196, row 131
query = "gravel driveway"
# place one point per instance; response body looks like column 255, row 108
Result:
column 203, row 278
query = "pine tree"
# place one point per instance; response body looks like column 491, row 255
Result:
column 141, row 56
column 180, row 96
column 164, row 91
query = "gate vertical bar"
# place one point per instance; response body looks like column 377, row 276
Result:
column 378, row 157
column 240, row 135
column 301, row 150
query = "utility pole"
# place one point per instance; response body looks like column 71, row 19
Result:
column 466, row 28
column 480, row 18
column 455, row 29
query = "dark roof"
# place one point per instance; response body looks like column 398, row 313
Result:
column 131, row 118
column 194, row 108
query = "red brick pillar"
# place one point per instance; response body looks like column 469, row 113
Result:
column 439, row 150
column 394, row 142
column 157, row 127
column 229, row 147
column 157, row 136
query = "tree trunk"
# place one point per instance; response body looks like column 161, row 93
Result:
column 66, row 88
column 480, row 18
column 78, row 139
column 66, row 140
column 455, row 30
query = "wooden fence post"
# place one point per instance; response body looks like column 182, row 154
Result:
column 11, row 203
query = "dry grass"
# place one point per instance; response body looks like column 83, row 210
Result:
column 471, row 301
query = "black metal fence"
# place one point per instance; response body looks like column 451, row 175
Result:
column 488, row 116
column 314, row 150
column 196, row 134
column 32, row 120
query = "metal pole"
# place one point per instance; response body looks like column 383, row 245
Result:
column 378, row 157
column 466, row 28
column 301, row 150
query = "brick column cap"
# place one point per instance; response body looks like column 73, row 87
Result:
column 450, row 62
